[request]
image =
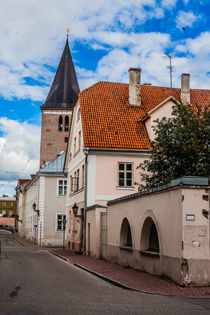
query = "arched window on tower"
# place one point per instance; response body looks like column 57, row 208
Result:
column 66, row 123
column 60, row 123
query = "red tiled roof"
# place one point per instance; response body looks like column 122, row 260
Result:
column 109, row 121
column 22, row 181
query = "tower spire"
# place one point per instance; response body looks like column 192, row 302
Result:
column 65, row 89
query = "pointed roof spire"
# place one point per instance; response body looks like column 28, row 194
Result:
column 65, row 88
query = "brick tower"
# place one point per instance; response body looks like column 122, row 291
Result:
column 57, row 109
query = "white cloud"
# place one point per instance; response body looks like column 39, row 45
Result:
column 19, row 150
column 186, row 19
column 32, row 32
column 168, row 3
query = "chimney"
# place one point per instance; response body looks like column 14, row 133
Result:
column 134, row 86
column 185, row 88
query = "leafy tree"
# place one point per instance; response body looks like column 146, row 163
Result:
column 181, row 147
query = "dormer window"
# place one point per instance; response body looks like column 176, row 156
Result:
column 66, row 123
column 60, row 123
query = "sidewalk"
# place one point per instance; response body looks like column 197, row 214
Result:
column 129, row 278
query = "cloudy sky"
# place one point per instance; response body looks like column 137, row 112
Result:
column 107, row 38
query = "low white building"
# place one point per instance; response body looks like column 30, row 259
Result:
column 45, row 207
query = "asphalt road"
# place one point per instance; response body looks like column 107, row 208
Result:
column 33, row 281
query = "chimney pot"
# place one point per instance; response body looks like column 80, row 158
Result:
column 134, row 86
column 185, row 88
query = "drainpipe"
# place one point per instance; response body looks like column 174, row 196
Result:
column 85, row 200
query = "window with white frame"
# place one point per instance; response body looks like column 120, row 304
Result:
column 61, row 222
column 62, row 187
column 125, row 171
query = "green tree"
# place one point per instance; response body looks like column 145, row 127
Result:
column 181, row 147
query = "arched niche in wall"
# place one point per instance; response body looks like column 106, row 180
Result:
column 125, row 234
column 149, row 237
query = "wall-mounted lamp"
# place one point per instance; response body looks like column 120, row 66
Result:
column 34, row 208
column 75, row 210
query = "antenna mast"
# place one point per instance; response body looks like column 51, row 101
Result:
column 170, row 69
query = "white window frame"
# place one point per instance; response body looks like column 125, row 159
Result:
column 63, row 217
column 64, row 191
column 125, row 172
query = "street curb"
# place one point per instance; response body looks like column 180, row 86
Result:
column 62, row 257
column 116, row 283
column 18, row 240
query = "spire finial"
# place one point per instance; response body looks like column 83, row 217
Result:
column 68, row 30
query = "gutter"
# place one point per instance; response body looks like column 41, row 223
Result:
column 147, row 150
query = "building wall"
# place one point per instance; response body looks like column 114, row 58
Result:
column 21, row 211
column 30, row 217
column 163, row 111
column 53, row 140
column 183, row 245
column 50, row 204
column 75, row 161
column 104, row 166
column 93, row 231
column 195, row 235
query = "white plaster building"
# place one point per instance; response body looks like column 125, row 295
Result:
column 48, row 191
column 109, row 137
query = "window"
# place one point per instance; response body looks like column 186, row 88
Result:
column 61, row 222
column 62, row 187
column 4, row 204
column 83, row 176
column 125, row 174
column 75, row 181
column 75, row 141
column 66, row 139
column 11, row 204
column 60, row 123
column 66, row 123
column 79, row 139
column 78, row 114
column 10, row 212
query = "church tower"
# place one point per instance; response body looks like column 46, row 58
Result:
column 57, row 109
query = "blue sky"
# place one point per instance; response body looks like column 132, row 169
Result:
column 106, row 39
